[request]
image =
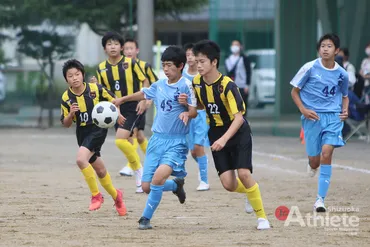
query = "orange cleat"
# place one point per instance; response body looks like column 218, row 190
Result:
column 96, row 202
column 120, row 205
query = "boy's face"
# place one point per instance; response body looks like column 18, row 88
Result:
column 113, row 48
column 74, row 77
column 171, row 71
column 327, row 49
column 204, row 64
column 130, row 50
column 190, row 58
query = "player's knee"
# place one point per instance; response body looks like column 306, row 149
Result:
column 146, row 187
column 194, row 154
column 314, row 161
column 244, row 174
column 82, row 162
column 228, row 185
column 198, row 151
column 326, row 154
column 140, row 137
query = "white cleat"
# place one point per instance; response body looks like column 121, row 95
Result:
column 126, row 171
column 263, row 224
column 311, row 172
column 319, row 206
column 139, row 189
column 203, row 186
column 248, row 207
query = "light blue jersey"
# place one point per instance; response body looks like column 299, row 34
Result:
column 321, row 89
column 187, row 75
column 168, row 108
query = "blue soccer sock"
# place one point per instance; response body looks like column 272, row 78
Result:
column 154, row 198
column 324, row 180
column 203, row 168
column 170, row 185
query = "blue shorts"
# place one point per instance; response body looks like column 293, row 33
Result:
column 198, row 131
column 165, row 149
column 327, row 130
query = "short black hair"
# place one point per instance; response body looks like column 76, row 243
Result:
column 188, row 46
column 174, row 54
column 333, row 37
column 73, row 63
column 111, row 36
column 133, row 41
column 208, row 48
column 345, row 51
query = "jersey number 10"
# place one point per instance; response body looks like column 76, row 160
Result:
column 327, row 92
column 84, row 117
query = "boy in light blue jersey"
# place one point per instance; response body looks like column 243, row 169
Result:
column 198, row 133
column 320, row 93
column 167, row 148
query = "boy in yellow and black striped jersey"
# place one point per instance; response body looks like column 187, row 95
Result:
column 77, row 105
column 124, row 77
column 131, row 50
column 229, row 134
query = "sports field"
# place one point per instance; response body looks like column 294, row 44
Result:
column 44, row 199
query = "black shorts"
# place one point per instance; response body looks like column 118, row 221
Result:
column 237, row 152
column 141, row 122
column 91, row 137
column 128, row 110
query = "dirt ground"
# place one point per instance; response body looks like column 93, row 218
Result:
column 44, row 199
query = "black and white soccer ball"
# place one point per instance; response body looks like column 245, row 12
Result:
column 105, row 114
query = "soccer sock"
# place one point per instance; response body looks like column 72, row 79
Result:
column 129, row 151
column 90, row 179
column 255, row 199
column 106, row 182
column 170, row 185
column 240, row 188
column 143, row 145
column 136, row 143
column 324, row 180
column 203, row 168
column 154, row 198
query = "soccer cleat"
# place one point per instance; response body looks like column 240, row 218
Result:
column 120, row 205
column 180, row 192
column 248, row 207
column 126, row 171
column 139, row 189
column 96, row 202
column 311, row 172
column 263, row 224
column 144, row 223
column 319, row 205
column 203, row 186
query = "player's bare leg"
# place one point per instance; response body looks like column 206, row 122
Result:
column 131, row 154
column 313, row 164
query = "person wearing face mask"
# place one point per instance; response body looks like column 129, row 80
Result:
column 365, row 67
column 349, row 67
column 239, row 70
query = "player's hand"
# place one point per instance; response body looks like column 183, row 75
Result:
column 311, row 115
column 183, row 99
column 219, row 144
column 118, row 101
column 343, row 116
column 93, row 80
column 141, row 107
column 73, row 109
column 121, row 119
column 184, row 116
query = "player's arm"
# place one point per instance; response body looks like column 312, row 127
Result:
column 142, row 106
column 68, row 113
column 298, row 82
column 144, row 94
column 107, row 95
column 345, row 100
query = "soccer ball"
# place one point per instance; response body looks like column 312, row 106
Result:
column 105, row 114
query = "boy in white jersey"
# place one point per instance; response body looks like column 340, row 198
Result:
column 320, row 93
column 167, row 148
column 198, row 133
